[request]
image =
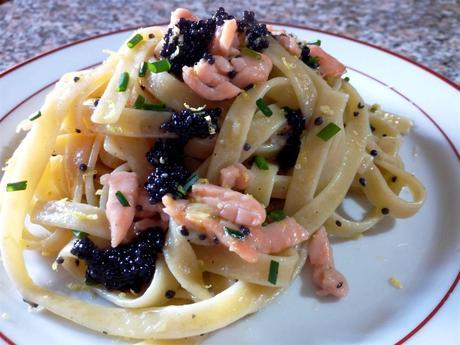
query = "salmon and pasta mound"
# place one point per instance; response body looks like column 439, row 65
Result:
column 189, row 177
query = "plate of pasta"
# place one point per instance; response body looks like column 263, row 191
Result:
column 221, row 180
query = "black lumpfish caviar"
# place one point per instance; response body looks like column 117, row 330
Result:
column 187, row 42
column 164, row 180
column 188, row 124
column 221, row 15
column 165, row 152
column 288, row 155
column 167, row 156
column 126, row 267
column 307, row 58
column 256, row 33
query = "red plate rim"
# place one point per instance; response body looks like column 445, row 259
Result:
column 304, row 27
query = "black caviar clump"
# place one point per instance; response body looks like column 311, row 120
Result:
column 188, row 123
column 221, row 15
column 256, row 33
column 288, row 154
column 165, row 152
column 126, row 267
column 308, row 59
column 165, row 179
column 167, row 155
column 187, row 42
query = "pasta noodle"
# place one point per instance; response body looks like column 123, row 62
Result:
column 277, row 141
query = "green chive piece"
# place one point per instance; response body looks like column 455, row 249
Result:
column 35, row 116
column 181, row 192
column 122, row 199
column 142, row 70
column 264, row 107
column 313, row 60
column 123, row 82
column 159, row 66
column 139, row 103
column 79, row 234
column 251, row 53
column 261, row 163
column 329, row 131
column 155, row 107
column 374, row 107
column 277, row 215
column 135, row 40
column 234, row 233
column 190, row 182
column 347, row 79
column 316, row 43
column 16, row 186
column 273, row 272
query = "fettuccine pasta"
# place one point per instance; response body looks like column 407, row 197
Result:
column 187, row 179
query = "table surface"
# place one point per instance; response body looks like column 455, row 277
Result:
column 425, row 31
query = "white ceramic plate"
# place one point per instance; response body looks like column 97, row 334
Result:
column 423, row 251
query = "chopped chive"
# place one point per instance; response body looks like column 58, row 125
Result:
column 329, row 131
column 16, row 186
column 123, row 82
column 261, row 163
column 156, row 107
column 142, row 69
column 313, row 60
column 273, row 272
column 181, row 192
column 159, row 66
column 264, row 107
column 139, row 103
column 122, row 199
column 190, row 182
column 316, row 43
column 251, row 53
column 374, row 108
column 277, row 215
column 347, row 79
column 234, row 233
column 135, row 40
column 35, row 116
column 79, row 234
